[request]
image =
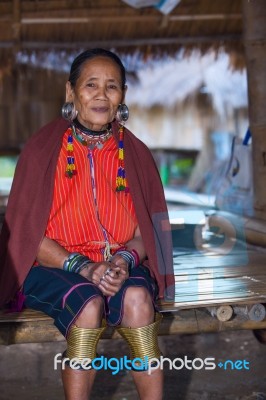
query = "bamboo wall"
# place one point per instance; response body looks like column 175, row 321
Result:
column 29, row 98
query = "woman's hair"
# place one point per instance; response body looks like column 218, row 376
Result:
column 78, row 62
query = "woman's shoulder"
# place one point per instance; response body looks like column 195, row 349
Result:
column 48, row 133
column 135, row 141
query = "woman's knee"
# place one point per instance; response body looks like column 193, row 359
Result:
column 91, row 314
column 138, row 300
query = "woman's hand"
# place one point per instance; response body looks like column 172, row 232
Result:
column 118, row 260
column 107, row 276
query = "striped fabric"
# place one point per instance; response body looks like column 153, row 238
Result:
column 81, row 215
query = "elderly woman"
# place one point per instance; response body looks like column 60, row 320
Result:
column 86, row 236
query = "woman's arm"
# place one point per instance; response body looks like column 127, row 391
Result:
column 51, row 254
column 137, row 244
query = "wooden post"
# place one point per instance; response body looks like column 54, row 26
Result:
column 16, row 21
column 254, row 20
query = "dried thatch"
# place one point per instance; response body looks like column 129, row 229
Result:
column 69, row 25
column 175, row 81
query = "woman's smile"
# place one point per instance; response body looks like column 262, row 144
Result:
column 100, row 109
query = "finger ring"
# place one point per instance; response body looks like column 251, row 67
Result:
column 107, row 271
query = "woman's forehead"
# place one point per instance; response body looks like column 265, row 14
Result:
column 100, row 65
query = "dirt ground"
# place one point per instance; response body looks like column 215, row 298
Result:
column 27, row 370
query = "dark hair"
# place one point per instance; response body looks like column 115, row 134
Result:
column 78, row 62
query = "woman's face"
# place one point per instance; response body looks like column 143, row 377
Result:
column 97, row 93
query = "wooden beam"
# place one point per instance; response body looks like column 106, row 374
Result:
column 126, row 18
column 78, row 17
column 127, row 42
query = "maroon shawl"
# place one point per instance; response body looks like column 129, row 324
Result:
column 31, row 198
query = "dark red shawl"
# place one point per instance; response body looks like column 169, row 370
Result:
column 31, row 198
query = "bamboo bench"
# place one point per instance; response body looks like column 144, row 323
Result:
column 35, row 327
column 216, row 290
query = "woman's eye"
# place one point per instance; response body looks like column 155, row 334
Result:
column 112, row 86
column 90, row 84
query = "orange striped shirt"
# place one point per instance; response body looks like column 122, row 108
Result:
column 82, row 219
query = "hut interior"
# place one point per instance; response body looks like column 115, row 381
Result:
column 38, row 38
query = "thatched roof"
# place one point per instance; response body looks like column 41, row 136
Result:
column 171, row 82
column 70, row 25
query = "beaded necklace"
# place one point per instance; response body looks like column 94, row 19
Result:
column 92, row 139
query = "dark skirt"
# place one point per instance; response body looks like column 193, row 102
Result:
column 62, row 295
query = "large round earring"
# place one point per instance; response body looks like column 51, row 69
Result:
column 69, row 111
column 122, row 113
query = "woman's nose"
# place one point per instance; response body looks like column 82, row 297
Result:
column 101, row 92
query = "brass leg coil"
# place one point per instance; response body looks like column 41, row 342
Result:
column 143, row 342
column 82, row 342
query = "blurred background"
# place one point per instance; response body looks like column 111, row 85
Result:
column 186, row 68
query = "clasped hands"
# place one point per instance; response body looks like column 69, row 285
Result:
column 108, row 276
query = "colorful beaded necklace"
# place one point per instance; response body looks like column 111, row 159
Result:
column 93, row 139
